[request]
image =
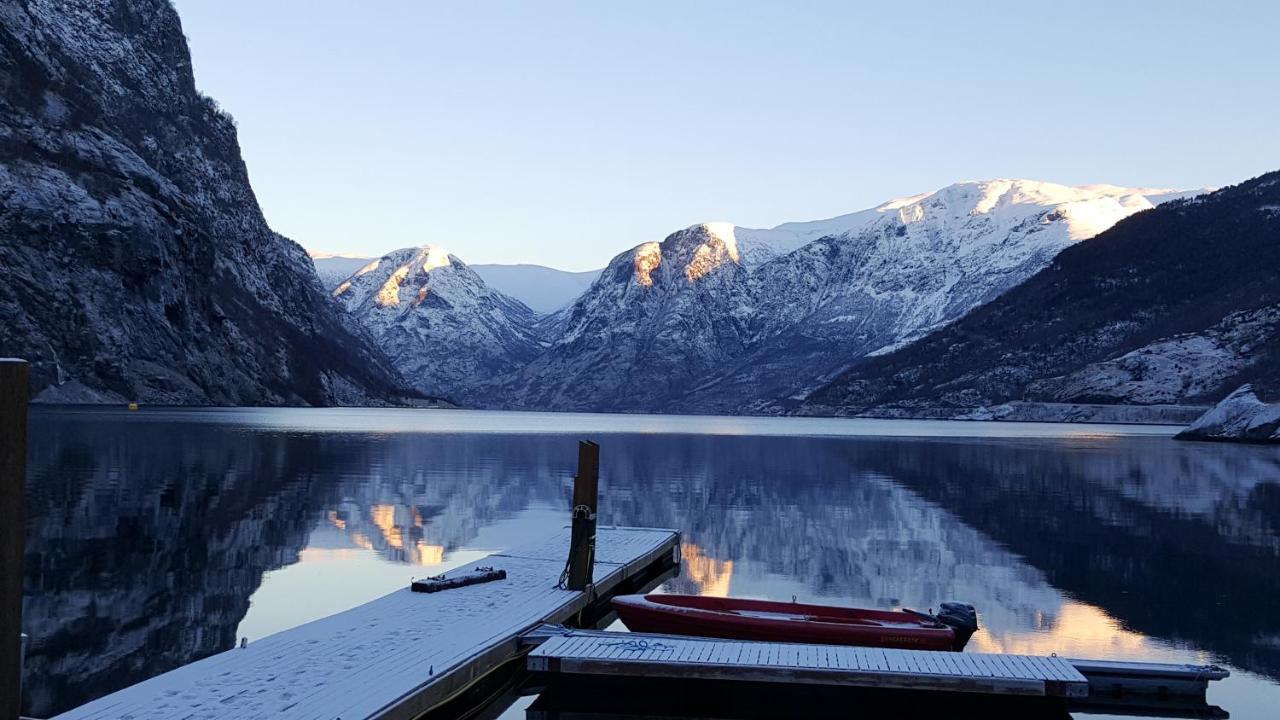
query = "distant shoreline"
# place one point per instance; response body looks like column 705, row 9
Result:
column 395, row 420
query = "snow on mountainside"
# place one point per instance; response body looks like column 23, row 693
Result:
column 1090, row 209
column 658, row 315
column 445, row 328
column 717, row 318
column 542, row 288
column 1173, row 306
column 1240, row 417
column 1189, row 365
column 136, row 263
column 898, row 272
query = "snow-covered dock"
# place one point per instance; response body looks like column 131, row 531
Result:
column 660, row 656
column 399, row 655
column 597, row 666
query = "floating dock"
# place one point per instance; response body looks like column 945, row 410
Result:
column 1113, row 678
column 587, row 671
column 404, row 654
column 660, row 656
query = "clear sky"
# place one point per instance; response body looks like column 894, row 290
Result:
column 564, row 133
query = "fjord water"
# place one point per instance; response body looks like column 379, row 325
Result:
column 160, row 536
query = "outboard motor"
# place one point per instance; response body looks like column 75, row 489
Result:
column 961, row 618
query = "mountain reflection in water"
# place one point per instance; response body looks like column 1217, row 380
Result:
column 158, row 538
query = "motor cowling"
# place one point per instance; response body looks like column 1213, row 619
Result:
column 962, row 618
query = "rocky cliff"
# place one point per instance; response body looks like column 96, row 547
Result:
column 135, row 262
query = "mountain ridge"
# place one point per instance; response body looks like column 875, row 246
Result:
column 445, row 326
column 788, row 305
column 543, row 289
column 1177, row 292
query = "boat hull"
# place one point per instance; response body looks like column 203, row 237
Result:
column 781, row 622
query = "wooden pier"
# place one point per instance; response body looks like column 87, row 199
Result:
column 406, row 653
column 590, row 674
column 660, row 656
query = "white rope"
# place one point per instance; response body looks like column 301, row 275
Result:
column 640, row 645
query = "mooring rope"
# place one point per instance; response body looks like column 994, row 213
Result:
column 579, row 511
column 640, row 645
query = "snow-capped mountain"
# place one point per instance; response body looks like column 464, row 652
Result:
column 658, row 315
column 1087, row 209
column 880, row 278
column 1177, row 305
column 543, row 289
column 447, row 330
column 718, row 318
column 135, row 262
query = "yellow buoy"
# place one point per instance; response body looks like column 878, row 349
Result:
column 133, row 406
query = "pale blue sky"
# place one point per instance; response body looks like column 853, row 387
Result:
column 564, row 133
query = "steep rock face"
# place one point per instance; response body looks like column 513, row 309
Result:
column 135, row 261
column 446, row 329
column 1240, row 417
column 719, row 318
column 658, row 317
column 1170, row 306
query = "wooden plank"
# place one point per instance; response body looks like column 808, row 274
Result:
column 950, row 665
column 712, row 659
column 933, row 664
column 998, row 666
column 13, row 477
column 895, row 662
column 1063, row 668
column 1012, row 665
column 392, row 658
column 981, row 667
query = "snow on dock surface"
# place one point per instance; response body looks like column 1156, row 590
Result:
column 618, row 654
column 393, row 657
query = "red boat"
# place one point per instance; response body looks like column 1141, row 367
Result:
column 738, row 619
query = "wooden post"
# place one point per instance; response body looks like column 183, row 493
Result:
column 13, row 478
column 582, row 543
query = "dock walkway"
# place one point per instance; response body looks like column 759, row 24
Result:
column 397, row 656
column 658, row 656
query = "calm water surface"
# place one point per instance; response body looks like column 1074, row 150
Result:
column 161, row 536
